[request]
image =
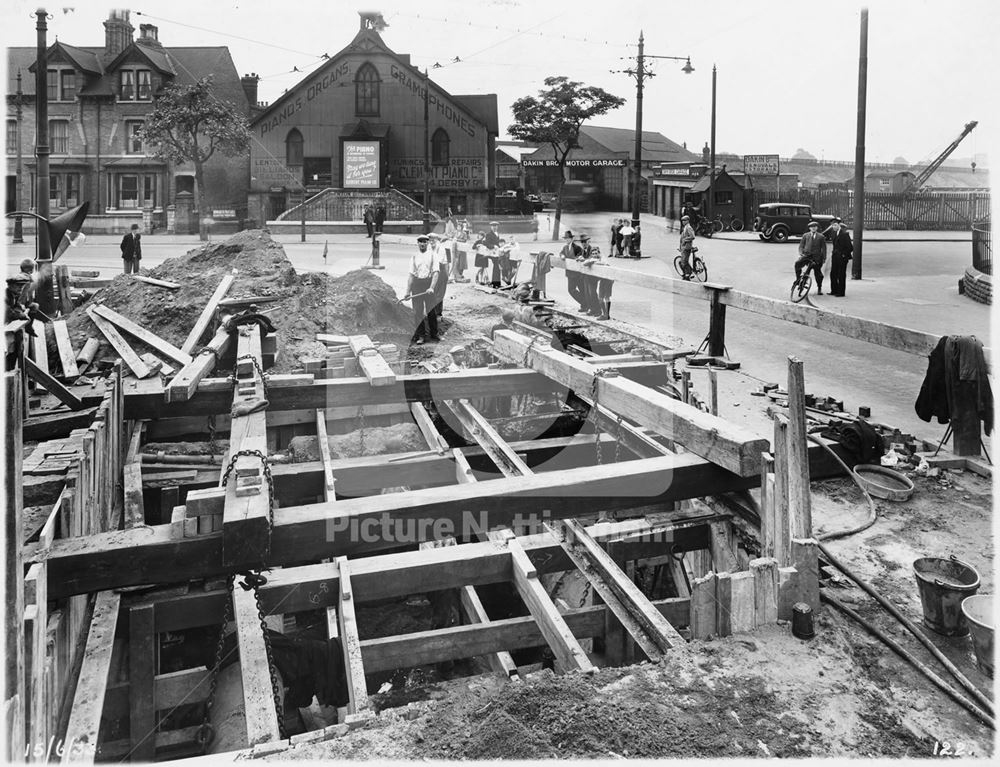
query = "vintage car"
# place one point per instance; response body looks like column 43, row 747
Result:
column 777, row 221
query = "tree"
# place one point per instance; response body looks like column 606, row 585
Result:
column 555, row 118
column 189, row 124
column 802, row 154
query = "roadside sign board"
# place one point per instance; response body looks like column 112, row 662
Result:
column 761, row 164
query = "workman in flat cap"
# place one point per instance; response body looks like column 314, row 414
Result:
column 421, row 286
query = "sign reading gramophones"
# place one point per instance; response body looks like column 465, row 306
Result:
column 761, row 164
column 361, row 162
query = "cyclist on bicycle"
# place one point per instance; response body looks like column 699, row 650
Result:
column 812, row 255
column 687, row 243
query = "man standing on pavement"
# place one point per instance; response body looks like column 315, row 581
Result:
column 369, row 219
column 687, row 242
column 492, row 243
column 132, row 250
column 843, row 250
column 812, row 255
column 425, row 271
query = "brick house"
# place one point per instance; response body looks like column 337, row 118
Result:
column 98, row 99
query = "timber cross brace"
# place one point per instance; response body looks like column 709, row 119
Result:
column 331, row 534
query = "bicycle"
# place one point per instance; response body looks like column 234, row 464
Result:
column 698, row 269
column 733, row 225
column 800, row 288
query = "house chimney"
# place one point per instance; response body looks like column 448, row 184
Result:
column 249, row 83
column 149, row 35
column 117, row 33
column 706, row 154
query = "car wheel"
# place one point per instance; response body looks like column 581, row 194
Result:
column 779, row 234
column 762, row 237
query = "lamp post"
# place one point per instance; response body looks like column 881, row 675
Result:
column 19, row 114
column 709, row 209
column 640, row 73
column 43, row 258
column 427, row 154
column 859, row 151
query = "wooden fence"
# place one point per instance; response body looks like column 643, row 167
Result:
column 885, row 210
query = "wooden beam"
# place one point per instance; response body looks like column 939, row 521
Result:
column 155, row 282
column 88, row 702
column 258, row 698
column 782, row 524
column 430, row 433
column 354, row 667
column 135, row 515
column 765, row 584
column 733, row 447
column 120, row 345
column 509, row 462
column 213, row 396
column 39, row 347
column 246, row 516
column 52, row 386
column 371, row 362
column 658, row 629
column 65, row 347
column 458, row 642
column 569, row 655
column 185, row 383
column 329, row 483
column 463, row 471
column 501, row 662
column 201, row 324
column 37, row 704
column 139, row 332
column 799, row 494
column 142, row 646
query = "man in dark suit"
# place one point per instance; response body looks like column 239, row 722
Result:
column 843, row 250
column 812, row 255
column 132, row 250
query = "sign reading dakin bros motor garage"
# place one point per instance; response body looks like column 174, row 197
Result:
column 609, row 163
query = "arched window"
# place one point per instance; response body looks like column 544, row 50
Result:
column 366, row 91
column 440, row 147
column 293, row 147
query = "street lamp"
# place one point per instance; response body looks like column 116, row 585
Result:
column 19, row 114
column 640, row 73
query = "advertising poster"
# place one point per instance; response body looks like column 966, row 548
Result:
column 361, row 164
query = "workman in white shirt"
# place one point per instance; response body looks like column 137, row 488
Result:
column 425, row 271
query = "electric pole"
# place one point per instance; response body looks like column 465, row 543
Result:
column 859, row 152
column 43, row 258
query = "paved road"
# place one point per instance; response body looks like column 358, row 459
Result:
column 909, row 283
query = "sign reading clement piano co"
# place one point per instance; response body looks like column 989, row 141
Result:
column 614, row 162
column 459, row 173
column 361, row 163
column 761, row 164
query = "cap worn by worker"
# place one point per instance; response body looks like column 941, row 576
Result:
column 27, row 265
column 838, row 220
column 494, row 223
column 814, row 223
column 423, row 238
column 434, row 236
column 685, row 218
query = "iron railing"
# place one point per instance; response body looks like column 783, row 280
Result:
column 982, row 247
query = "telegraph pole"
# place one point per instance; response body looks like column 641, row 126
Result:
column 19, row 114
column 859, row 152
column 640, row 73
column 43, row 258
column 710, row 208
column 427, row 154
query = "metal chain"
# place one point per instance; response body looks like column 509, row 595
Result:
column 267, row 476
column 210, row 426
column 206, row 733
column 275, row 689
column 748, row 541
column 618, row 439
column 260, row 371
column 599, row 373
column 361, row 430
column 527, row 351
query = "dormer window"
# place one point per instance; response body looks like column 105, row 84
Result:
column 61, row 84
column 135, row 85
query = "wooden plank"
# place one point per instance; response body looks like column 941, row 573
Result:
column 354, row 668
column 509, row 462
column 372, row 363
column 723, row 604
column 659, row 630
column 139, row 332
column 155, row 282
column 703, row 607
column 329, row 483
column 142, row 665
column 205, row 502
column 202, row 323
column 65, row 348
column 258, row 699
column 501, row 662
column 799, row 496
column 768, row 509
column 120, row 345
column 463, row 471
column 733, row 447
column 135, row 515
column 246, row 526
column 88, row 702
column 39, row 347
column 52, row 386
column 430, row 433
column 804, row 556
column 37, row 702
column 185, row 383
column 782, row 523
column 765, row 584
column 329, row 338
column 569, row 655
column 743, row 609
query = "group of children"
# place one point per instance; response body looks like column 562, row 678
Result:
column 592, row 293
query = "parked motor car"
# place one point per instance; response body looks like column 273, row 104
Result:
column 536, row 203
column 777, row 221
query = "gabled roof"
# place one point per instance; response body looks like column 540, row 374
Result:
column 155, row 56
column 83, row 59
column 655, row 146
column 701, row 185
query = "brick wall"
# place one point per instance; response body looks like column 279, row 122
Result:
column 978, row 286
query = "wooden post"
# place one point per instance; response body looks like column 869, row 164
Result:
column 805, row 557
column 765, row 585
column 703, row 607
column 142, row 668
column 686, row 386
column 717, row 324
column 768, row 509
column 723, row 548
column 38, row 703
column 615, row 636
column 799, row 503
column 723, row 605
column 713, row 391
column 354, row 668
column 742, row 609
column 782, row 529
column 14, row 570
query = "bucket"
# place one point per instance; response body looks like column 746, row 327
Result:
column 943, row 584
column 978, row 611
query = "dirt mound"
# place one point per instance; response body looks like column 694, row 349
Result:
column 355, row 303
column 377, row 440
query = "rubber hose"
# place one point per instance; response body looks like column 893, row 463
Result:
column 951, row 692
column 873, row 511
column 963, row 680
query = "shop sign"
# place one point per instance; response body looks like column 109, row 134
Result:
column 614, row 162
column 361, row 164
column 761, row 164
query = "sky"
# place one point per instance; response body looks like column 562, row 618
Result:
column 787, row 70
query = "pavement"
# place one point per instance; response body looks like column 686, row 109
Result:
column 910, row 280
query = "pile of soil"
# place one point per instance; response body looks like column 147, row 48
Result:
column 358, row 302
column 377, row 440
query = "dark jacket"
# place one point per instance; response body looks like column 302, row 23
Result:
column 956, row 367
column 842, row 245
column 132, row 246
